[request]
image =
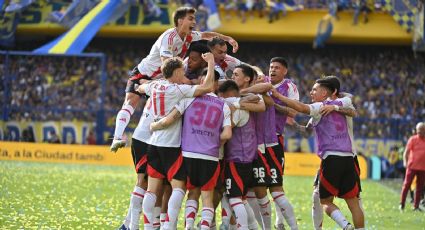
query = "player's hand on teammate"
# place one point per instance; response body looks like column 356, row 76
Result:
column 274, row 93
column 234, row 44
column 153, row 126
column 326, row 109
column 250, row 98
column 208, row 57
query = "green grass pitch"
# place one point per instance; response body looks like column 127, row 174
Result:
column 61, row 196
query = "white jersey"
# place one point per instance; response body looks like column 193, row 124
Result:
column 169, row 44
column 142, row 132
column 184, row 104
column 226, row 67
column 165, row 95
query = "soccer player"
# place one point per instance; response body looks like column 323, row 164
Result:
column 172, row 43
column 277, row 72
column 165, row 159
column 225, row 64
column 206, row 124
column 194, row 63
column 240, row 152
column 139, row 146
column 339, row 174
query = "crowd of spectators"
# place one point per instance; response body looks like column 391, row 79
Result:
column 274, row 9
column 387, row 82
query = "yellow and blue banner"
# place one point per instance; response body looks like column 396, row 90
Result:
column 77, row 38
column 403, row 12
column 8, row 23
column 70, row 16
column 68, row 131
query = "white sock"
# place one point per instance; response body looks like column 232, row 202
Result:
column 136, row 206
column 233, row 227
column 122, row 120
column 156, row 214
column 286, row 208
column 174, row 205
column 240, row 212
column 359, row 229
column 162, row 219
column 279, row 216
column 190, row 213
column 226, row 212
column 253, row 203
column 266, row 211
column 207, row 216
column 317, row 211
column 148, row 209
column 128, row 217
column 252, row 222
column 339, row 218
column 213, row 223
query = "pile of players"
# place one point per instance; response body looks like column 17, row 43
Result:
column 213, row 126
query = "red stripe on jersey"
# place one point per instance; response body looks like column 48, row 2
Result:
column 141, row 162
column 210, row 185
column 154, row 102
column 328, row 186
column 236, row 176
column 275, row 160
column 175, row 167
column 223, row 65
column 156, row 73
column 171, row 37
column 186, row 44
column 153, row 173
column 162, row 104
column 263, row 159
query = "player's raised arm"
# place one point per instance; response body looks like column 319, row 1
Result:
column 208, row 85
column 294, row 104
column 210, row 35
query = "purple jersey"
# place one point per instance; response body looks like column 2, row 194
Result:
column 242, row 147
column 284, row 88
column 332, row 133
column 202, row 125
column 265, row 126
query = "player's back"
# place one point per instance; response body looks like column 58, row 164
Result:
column 165, row 95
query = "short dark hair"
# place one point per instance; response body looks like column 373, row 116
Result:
column 170, row 65
column 247, row 71
column 181, row 12
column 215, row 41
column 281, row 60
column 198, row 47
column 331, row 83
column 216, row 74
column 227, row 86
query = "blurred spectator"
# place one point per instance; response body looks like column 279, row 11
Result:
column 27, row 135
column 91, row 138
column 414, row 161
column 364, row 7
column 52, row 137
